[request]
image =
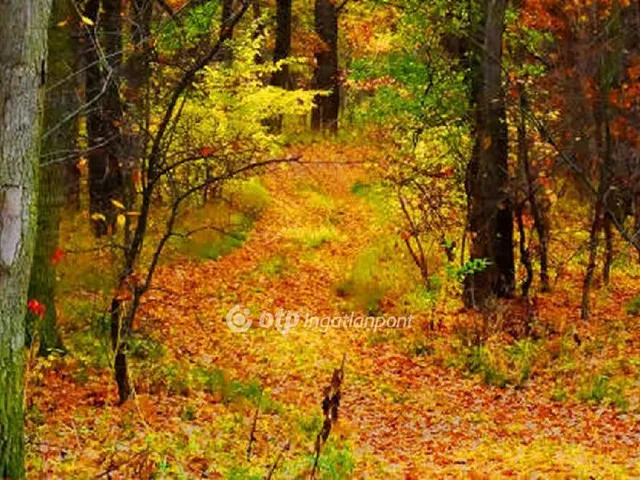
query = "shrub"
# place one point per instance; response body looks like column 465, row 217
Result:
column 633, row 306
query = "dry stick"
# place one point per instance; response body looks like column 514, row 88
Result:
column 273, row 468
column 330, row 405
column 252, row 437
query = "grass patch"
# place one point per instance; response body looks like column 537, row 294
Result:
column 221, row 226
column 276, row 266
column 633, row 306
column 380, row 199
column 312, row 236
column 499, row 365
column 602, row 389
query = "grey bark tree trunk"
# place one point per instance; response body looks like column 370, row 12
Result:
column 490, row 205
column 23, row 40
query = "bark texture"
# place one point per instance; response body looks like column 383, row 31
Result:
column 59, row 103
column 490, row 205
column 23, row 40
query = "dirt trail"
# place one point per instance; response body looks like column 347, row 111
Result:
column 406, row 417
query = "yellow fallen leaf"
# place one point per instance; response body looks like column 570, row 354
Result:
column 117, row 204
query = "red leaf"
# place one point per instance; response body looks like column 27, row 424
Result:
column 57, row 256
column 36, row 307
column 206, row 151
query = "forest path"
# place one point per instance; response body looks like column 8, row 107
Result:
column 403, row 416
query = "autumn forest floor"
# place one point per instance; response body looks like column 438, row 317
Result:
column 419, row 402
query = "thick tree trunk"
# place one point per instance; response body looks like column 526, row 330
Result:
column 105, row 182
column 60, row 102
column 490, row 205
column 281, row 78
column 325, row 112
column 23, row 40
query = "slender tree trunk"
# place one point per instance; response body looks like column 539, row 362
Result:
column 523, row 161
column 608, row 249
column 490, row 206
column 540, row 222
column 325, row 112
column 139, row 73
column 259, row 32
column 23, row 40
column 591, row 265
column 600, row 207
column 636, row 218
column 120, row 330
column 60, row 102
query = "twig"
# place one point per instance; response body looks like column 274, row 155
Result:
column 252, row 437
column 330, row 406
column 273, row 468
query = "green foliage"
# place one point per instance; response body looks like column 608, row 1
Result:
column 470, row 268
column 379, row 197
column 500, row 365
column 524, row 354
column 145, row 348
column 364, row 284
column 479, row 360
column 336, row 461
column 219, row 228
column 275, row 266
column 223, row 244
column 633, row 306
column 313, row 236
column 603, row 389
column 231, row 109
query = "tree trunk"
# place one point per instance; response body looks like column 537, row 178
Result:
column 607, row 227
column 636, row 219
column 23, row 40
column 60, row 102
column 325, row 112
column 281, row 78
column 490, row 206
column 105, row 182
column 70, row 38
column 585, row 311
column 523, row 164
column 260, row 30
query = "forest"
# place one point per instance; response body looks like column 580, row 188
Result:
column 319, row 239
